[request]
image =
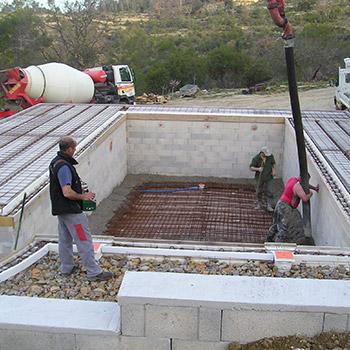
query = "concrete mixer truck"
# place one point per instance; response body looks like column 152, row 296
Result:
column 342, row 92
column 21, row 88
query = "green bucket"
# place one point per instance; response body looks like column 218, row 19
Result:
column 89, row 205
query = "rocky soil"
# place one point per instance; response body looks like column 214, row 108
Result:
column 324, row 341
column 44, row 280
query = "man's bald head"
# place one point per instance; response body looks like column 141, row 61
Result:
column 66, row 142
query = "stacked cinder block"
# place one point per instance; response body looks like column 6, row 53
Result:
column 209, row 312
column 188, row 145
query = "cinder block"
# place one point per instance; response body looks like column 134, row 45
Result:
column 200, row 136
column 16, row 339
column 247, row 326
column 171, row 322
column 121, row 343
column 209, row 324
column 132, row 320
column 141, row 343
column 333, row 322
column 98, row 342
column 196, row 345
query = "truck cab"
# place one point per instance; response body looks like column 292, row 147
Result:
column 113, row 84
column 342, row 93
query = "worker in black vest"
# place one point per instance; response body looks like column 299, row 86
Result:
column 66, row 195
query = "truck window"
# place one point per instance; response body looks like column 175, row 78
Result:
column 124, row 74
column 347, row 78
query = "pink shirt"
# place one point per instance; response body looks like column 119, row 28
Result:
column 288, row 194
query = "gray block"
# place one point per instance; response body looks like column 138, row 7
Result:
column 333, row 322
column 197, row 345
column 247, row 326
column 133, row 320
column 171, row 322
column 209, row 324
column 140, row 343
column 98, row 342
column 121, row 343
column 202, row 136
column 16, row 339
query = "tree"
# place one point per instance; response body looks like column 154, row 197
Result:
column 227, row 66
column 79, row 34
column 157, row 79
column 21, row 43
column 317, row 52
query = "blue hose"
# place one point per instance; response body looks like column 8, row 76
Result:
column 195, row 188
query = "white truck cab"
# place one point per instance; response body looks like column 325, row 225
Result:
column 124, row 82
column 342, row 92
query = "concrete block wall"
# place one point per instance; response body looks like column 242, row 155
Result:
column 330, row 225
column 197, row 146
column 92, row 326
column 209, row 312
column 22, row 339
column 103, row 166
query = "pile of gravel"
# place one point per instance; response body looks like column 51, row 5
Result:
column 44, row 280
column 324, row 341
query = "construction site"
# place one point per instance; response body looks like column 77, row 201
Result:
column 212, row 227
column 176, row 224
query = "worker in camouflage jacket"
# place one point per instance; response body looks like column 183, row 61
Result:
column 263, row 164
column 287, row 222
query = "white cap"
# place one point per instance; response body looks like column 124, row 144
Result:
column 266, row 151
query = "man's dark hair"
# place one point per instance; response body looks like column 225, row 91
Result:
column 66, row 142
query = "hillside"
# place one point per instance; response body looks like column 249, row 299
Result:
column 214, row 44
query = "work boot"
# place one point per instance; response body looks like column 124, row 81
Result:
column 103, row 276
column 66, row 274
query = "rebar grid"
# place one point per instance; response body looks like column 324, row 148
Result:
column 219, row 212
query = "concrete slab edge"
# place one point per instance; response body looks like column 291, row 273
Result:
column 12, row 271
column 200, row 254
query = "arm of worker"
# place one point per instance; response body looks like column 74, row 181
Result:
column 273, row 173
column 299, row 191
column 65, row 179
column 254, row 164
column 253, row 168
column 69, row 193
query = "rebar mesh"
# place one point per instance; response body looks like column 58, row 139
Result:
column 219, row 212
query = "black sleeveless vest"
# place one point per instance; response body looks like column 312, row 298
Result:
column 60, row 204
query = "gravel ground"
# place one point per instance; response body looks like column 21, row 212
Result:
column 315, row 99
column 44, row 280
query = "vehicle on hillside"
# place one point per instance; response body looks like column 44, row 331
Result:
column 342, row 92
column 21, row 88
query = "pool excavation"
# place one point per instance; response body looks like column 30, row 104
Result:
column 176, row 224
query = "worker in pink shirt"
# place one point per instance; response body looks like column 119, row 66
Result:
column 287, row 222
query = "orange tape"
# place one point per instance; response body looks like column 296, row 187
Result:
column 284, row 254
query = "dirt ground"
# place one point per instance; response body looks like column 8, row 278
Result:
column 315, row 99
column 324, row 341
